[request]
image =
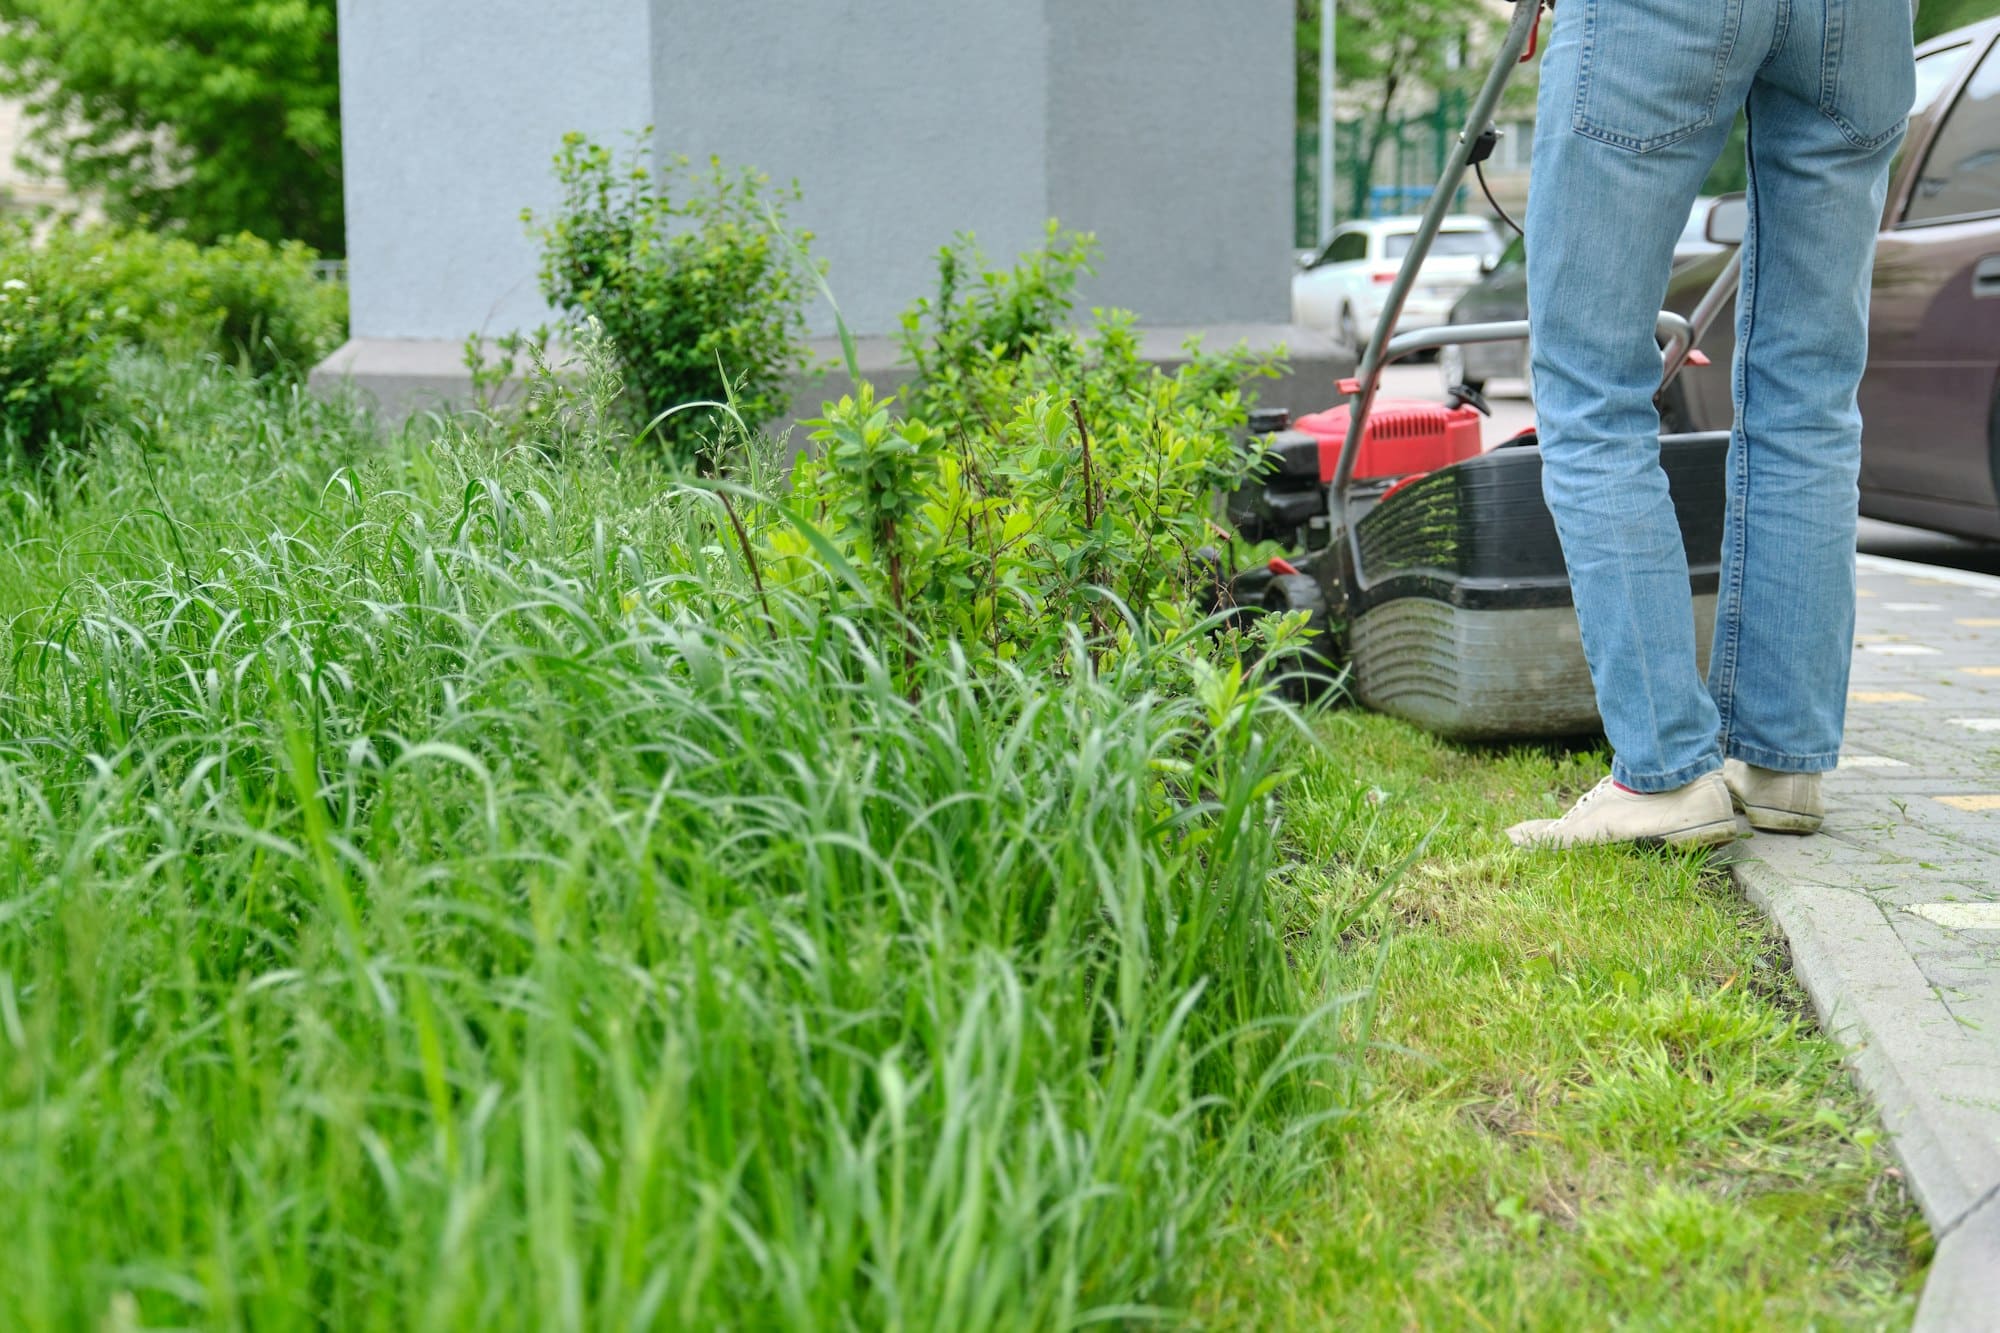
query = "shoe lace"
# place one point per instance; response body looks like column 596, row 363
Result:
column 1584, row 801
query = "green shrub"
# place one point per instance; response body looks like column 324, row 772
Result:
column 983, row 318
column 55, row 343
column 262, row 303
column 1042, row 476
column 243, row 299
column 691, row 276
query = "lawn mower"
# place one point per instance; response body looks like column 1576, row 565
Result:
column 1429, row 567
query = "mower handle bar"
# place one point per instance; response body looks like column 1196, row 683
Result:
column 1527, row 16
column 1675, row 332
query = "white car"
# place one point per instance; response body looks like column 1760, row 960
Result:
column 1342, row 288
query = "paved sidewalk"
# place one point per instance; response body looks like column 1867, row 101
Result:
column 1893, row 912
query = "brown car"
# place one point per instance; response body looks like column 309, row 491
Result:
column 1930, row 452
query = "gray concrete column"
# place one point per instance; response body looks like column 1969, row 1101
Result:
column 903, row 121
column 1162, row 125
column 451, row 111
column 1170, row 135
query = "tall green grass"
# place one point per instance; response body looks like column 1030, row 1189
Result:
column 437, row 891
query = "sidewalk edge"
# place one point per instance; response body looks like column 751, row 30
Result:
column 1963, row 1287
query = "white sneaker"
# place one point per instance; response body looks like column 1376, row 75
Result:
column 1775, row 802
column 1697, row 815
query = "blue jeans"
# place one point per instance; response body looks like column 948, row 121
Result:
column 1637, row 99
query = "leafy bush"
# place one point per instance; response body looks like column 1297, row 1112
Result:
column 1042, row 476
column 691, row 277
column 76, row 294
column 242, row 299
column 983, row 319
column 55, row 342
column 263, row 303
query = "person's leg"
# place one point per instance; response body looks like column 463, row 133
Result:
column 1825, row 120
column 1637, row 97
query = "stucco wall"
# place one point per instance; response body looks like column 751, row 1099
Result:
column 1170, row 135
column 452, row 110
column 903, row 121
column 1164, row 125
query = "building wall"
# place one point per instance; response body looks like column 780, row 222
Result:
column 903, row 121
column 452, row 111
column 1170, row 135
column 1163, row 125
column 17, row 187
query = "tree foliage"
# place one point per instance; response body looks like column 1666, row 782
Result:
column 212, row 116
column 1938, row 16
column 1390, row 47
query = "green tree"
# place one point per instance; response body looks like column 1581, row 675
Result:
column 214, row 116
column 1389, row 47
column 1936, row 16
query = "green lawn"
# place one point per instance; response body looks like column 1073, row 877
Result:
column 1602, row 1100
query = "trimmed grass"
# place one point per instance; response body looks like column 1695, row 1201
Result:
column 1601, row 1097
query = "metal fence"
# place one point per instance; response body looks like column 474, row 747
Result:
column 1405, row 170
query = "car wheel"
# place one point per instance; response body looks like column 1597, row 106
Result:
column 1451, row 364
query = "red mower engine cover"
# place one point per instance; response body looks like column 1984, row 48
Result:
column 1403, row 435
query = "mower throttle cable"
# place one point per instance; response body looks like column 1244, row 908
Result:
column 1482, row 148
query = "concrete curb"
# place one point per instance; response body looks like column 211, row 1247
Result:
column 1871, row 997
column 1964, row 578
column 1964, row 1287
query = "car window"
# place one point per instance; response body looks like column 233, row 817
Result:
column 1961, row 177
column 1696, row 231
column 1346, row 247
column 1396, row 244
column 1934, row 71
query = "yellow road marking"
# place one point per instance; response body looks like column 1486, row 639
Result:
column 1884, row 697
column 1959, row 916
column 1986, row 801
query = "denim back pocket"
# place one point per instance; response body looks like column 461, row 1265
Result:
column 1649, row 72
column 1868, row 73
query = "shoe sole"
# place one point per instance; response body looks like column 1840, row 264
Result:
column 1715, row 834
column 1769, row 819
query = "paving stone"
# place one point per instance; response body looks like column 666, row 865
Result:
column 1964, row 1290
column 1893, row 912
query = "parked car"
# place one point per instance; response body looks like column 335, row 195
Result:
column 1930, row 454
column 1503, row 295
column 1342, row 288
column 1694, row 243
